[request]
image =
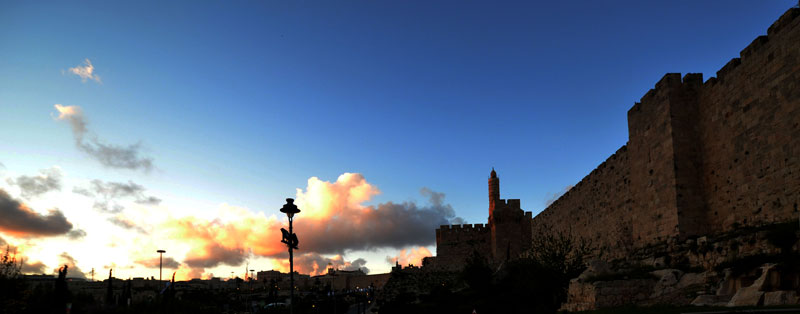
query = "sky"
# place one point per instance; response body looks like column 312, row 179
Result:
column 131, row 127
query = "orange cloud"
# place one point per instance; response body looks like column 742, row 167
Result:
column 16, row 254
column 413, row 256
column 218, row 242
column 333, row 220
column 184, row 273
column 314, row 264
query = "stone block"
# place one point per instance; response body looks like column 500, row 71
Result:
column 596, row 268
column 775, row 298
column 747, row 297
column 753, row 295
column 693, row 279
column 710, row 300
column 668, row 279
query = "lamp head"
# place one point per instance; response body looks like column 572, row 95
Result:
column 161, row 251
column 290, row 208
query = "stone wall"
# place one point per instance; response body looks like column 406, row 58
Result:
column 455, row 243
column 750, row 131
column 605, row 294
column 510, row 230
column 597, row 208
column 701, row 158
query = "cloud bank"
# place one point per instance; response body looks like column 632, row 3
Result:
column 109, row 155
column 33, row 268
column 18, row 220
column 315, row 264
column 85, row 72
column 333, row 220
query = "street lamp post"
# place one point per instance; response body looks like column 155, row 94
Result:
column 160, row 262
column 290, row 239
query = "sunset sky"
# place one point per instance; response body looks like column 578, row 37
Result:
column 131, row 127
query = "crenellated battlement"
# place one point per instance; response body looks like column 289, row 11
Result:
column 464, row 228
column 754, row 46
column 785, row 20
column 761, row 49
column 664, row 88
column 701, row 157
column 456, row 242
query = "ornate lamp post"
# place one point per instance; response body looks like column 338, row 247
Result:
column 291, row 241
column 160, row 262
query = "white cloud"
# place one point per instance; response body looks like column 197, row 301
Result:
column 86, row 72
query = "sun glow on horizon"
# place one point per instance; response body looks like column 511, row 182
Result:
column 206, row 245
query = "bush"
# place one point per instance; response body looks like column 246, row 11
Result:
column 477, row 274
column 539, row 280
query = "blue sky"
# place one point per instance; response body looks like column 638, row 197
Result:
column 241, row 102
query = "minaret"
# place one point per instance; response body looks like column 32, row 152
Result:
column 494, row 190
column 494, row 198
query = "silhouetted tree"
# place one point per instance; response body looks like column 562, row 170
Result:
column 11, row 285
column 61, row 294
column 126, row 293
column 560, row 252
column 110, row 290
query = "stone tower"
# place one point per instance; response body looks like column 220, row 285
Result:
column 510, row 226
column 507, row 233
column 494, row 191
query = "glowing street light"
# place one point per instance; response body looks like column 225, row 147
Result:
column 160, row 262
column 290, row 239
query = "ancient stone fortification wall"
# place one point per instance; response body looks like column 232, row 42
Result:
column 455, row 243
column 663, row 160
column 750, row 130
column 701, row 158
column 597, row 208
